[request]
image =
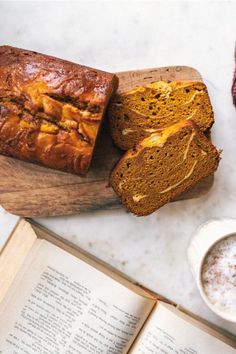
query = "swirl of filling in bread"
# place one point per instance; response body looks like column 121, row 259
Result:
column 162, row 166
column 136, row 113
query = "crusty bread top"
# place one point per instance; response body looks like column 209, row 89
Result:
column 50, row 108
column 27, row 72
column 165, row 87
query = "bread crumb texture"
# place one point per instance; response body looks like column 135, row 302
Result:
column 151, row 108
column 162, row 166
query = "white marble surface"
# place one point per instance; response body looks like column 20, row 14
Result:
column 118, row 36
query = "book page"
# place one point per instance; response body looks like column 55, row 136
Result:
column 61, row 305
column 17, row 248
column 166, row 332
column 93, row 261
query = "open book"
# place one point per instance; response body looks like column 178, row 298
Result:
column 55, row 299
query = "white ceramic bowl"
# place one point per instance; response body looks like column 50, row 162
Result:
column 206, row 236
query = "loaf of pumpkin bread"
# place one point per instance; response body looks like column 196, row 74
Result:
column 163, row 166
column 137, row 113
column 50, row 109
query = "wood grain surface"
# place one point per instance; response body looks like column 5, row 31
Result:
column 34, row 191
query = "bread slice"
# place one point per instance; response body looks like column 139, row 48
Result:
column 163, row 166
column 151, row 108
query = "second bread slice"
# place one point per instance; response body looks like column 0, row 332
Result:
column 138, row 112
column 163, row 166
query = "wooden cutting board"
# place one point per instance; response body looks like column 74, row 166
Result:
column 33, row 191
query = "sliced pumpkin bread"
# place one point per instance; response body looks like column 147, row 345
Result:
column 136, row 113
column 163, row 166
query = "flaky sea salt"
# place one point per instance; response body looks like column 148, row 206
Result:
column 219, row 275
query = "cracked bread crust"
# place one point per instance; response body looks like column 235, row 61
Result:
column 137, row 113
column 50, row 109
column 163, row 166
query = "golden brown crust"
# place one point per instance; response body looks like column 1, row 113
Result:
column 50, row 109
column 139, row 112
column 163, row 166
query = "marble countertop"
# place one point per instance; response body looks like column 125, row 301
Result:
column 118, row 36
